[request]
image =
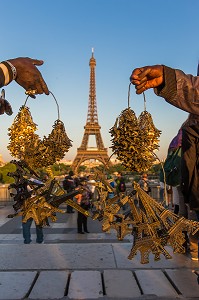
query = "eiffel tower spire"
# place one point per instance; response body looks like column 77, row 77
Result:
column 92, row 117
column 92, row 127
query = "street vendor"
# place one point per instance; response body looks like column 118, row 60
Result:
column 24, row 71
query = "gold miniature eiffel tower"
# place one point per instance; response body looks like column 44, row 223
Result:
column 92, row 128
column 157, row 227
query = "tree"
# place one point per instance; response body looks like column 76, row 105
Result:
column 155, row 169
column 60, row 169
column 4, row 178
column 81, row 169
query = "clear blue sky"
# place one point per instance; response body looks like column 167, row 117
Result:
column 125, row 34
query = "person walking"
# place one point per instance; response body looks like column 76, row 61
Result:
column 91, row 185
column 26, row 228
column 84, row 201
column 144, row 183
column 120, row 184
column 112, row 184
column 69, row 186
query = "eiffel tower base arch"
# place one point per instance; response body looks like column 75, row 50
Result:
column 100, row 155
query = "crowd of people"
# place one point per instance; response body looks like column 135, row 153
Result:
column 89, row 194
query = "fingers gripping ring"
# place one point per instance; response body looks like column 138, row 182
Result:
column 31, row 92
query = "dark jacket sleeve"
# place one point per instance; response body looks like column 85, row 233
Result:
column 180, row 90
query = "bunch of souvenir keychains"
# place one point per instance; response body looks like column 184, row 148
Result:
column 134, row 140
column 25, row 144
column 152, row 226
column 41, row 200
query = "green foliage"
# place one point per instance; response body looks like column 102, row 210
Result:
column 155, row 169
column 57, row 170
column 60, row 169
column 4, row 178
column 117, row 168
column 81, row 169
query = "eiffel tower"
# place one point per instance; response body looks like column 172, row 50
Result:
column 92, row 128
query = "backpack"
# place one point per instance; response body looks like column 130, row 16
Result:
column 172, row 168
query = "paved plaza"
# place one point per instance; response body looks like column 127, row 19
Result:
column 86, row 266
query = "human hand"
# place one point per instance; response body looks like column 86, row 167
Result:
column 147, row 77
column 5, row 106
column 28, row 76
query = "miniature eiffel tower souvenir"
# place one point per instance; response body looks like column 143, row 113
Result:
column 156, row 227
column 134, row 140
column 26, row 145
column 149, row 136
column 41, row 200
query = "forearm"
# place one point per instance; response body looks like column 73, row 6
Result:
column 168, row 89
column 7, row 73
column 180, row 90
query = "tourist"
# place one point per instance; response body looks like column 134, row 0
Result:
column 26, row 226
column 69, row 186
column 144, row 183
column 112, row 184
column 120, row 184
column 91, row 185
column 83, row 199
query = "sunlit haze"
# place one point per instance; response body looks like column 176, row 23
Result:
column 124, row 34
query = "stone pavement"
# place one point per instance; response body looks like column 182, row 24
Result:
column 90, row 266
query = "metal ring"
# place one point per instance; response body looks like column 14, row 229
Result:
column 28, row 95
column 31, row 92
